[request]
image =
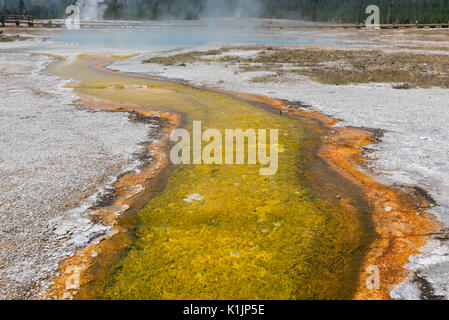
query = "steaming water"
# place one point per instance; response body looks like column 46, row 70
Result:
column 154, row 39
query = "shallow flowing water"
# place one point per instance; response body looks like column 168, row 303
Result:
column 285, row 236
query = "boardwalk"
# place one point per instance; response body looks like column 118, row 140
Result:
column 17, row 19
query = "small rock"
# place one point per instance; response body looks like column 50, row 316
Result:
column 193, row 197
column 124, row 208
column 134, row 190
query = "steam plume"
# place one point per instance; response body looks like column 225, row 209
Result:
column 92, row 9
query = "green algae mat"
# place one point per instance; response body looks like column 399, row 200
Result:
column 247, row 236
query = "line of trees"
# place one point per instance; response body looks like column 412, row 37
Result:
column 39, row 8
column 345, row 11
column 351, row 11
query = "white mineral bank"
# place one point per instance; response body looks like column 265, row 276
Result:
column 54, row 160
column 414, row 149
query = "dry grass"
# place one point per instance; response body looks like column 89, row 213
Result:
column 407, row 70
column 196, row 56
column 188, row 57
column 12, row 38
column 344, row 67
column 266, row 78
column 376, row 66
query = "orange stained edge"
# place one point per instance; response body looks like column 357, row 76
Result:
column 72, row 270
column 399, row 218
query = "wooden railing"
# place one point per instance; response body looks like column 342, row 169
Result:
column 17, row 19
column 355, row 26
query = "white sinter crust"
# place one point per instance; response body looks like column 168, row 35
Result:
column 55, row 160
